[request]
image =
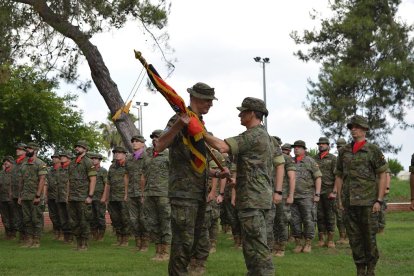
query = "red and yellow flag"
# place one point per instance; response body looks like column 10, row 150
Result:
column 193, row 134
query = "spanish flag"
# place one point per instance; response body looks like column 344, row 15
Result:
column 193, row 133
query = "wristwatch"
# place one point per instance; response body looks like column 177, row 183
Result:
column 278, row 192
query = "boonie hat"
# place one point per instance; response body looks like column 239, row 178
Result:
column 253, row 104
column 202, row 91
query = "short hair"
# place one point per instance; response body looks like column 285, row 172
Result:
column 258, row 115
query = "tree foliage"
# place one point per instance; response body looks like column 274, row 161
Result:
column 367, row 59
column 395, row 166
column 30, row 110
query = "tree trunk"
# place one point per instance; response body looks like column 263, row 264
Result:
column 100, row 73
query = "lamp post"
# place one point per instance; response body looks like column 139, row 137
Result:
column 263, row 61
column 139, row 106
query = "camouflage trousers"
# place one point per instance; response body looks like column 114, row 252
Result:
column 64, row 218
column 98, row 220
column 189, row 234
column 257, row 255
column 303, row 218
column 157, row 215
column 362, row 226
column 32, row 218
column 223, row 217
column 281, row 223
column 80, row 215
column 53, row 214
column 326, row 214
column 211, row 219
column 136, row 217
column 231, row 214
column 270, row 224
column 118, row 210
column 17, row 216
column 339, row 218
column 6, row 212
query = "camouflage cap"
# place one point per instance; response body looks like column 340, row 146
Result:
column 286, row 146
column 55, row 154
column 202, row 91
column 341, row 142
column 32, row 145
column 253, row 104
column 21, row 146
column 299, row 143
column 323, row 140
column 279, row 141
column 359, row 121
column 119, row 149
column 82, row 143
column 66, row 153
column 95, row 155
column 156, row 133
column 8, row 158
column 138, row 138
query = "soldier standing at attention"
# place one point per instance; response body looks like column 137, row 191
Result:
column 256, row 165
column 135, row 178
column 116, row 191
column 326, row 213
column 51, row 194
column 62, row 196
column 98, row 222
column 17, row 208
column 6, row 201
column 32, row 178
column 412, row 182
column 343, row 239
column 187, row 189
column 82, row 180
column 360, row 185
column 157, row 208
column 307, row 195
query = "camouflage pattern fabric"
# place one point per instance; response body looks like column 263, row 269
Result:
column 99, row 209
column 289, row 166
column 116, row 182
column 62, row 200
column 281, row 222
column 134, row 169
column 52, row 183
column 339, row 214
column 157, row 210
column 327, row 166
column 270, row 222
column 32, row 218
column 6, row 213
column 118, row 210
column 5, row 185
column 136, row 217
column 80, row 215
column 79, row 174
column 307, row 170
column 156, row 175
column 101, row 180
column 64, row 218
column 304, row 216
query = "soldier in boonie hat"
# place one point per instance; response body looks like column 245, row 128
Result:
column 32, row 145
column 202, row 91
column 299, row 143
column 95, row 155
column 119, row 149
column 358, row 120
column 340, row 143
column 156, row 133
column 138, row 138
column 323, row 140
column 83, row 144
column 253, row 104
column 66, row 153
column 21, row 146
column 279, row 141
column 8, row 158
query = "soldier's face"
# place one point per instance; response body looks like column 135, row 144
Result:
column 286, row 151
column 202, row 105
column 79, row 150
column 323, row 147
column 55, row 160
column 30, row 152
column 20, row 152
column 245, row 117
column 136, row 145
column 64, row 159
column 358, row 132
column 96, row 161
column 7, row 164
column 299, row 151
column 119, row 155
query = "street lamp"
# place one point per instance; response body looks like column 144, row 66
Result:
column 263, row 61
column 139, row 106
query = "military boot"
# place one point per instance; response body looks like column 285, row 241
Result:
column 158, row 252
column 94, row 234
column 165, row 252
column 78, row 244
column 321, row 242
column 299, row 246
column 22, row 237
column 276, row 248
column 237, row 242
column 330, row 242
column 28, row 242
column 36, row 242
column 281, row 250
column 124, row 240
column 144, row 244
column 213, row 246
column 308, row 246
column 198, row 268
column 342, row 238
column 83, row 244
column 361, row 269
column 371, row 270
column 56, row 235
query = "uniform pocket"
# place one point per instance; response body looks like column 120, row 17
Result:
column 252, row 226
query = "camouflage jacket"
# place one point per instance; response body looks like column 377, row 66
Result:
column 116, row 175
column 29, row 176
column 359, row 172
column 183, row 181
column 256, row 160
column 101, row 180
column 134, row 169
column 307, row 171
column 156, row 174
column 52, row 180
column 327, row 165
column 79, row 174
column 62, row 184
column 15, row 179
column 5, row 185
column 289, row 166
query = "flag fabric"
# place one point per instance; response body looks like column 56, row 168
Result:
column 194, row 132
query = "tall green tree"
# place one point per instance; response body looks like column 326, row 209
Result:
column 367, row 68
column 54, row 35
column 30, row 110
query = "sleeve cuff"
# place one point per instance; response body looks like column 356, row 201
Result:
column 382, row 169
column 234, row 147
column 278, row 160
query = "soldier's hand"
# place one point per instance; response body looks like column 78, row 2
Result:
column 316, row 198
column 289, row 200
column 277, row 198
column 184, row 119
column 219, row 199
column 233, row 202
column 412, row 205
column 88, row 200
column 376, row 207
column 332, row 196
column 36, row 201
column 142, row 199
column 19, row 201
column 103, row 200
column 225, row 173
column 211, row 196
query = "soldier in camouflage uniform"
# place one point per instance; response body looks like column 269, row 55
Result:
column 412, row 182
column 326, row 213
column 62, row 196
column 360, row 184
column 98, row 222
column 135, row 178
column 286, row 148
column 6, row 201
column 256, row 166
column 82, row 180
column 51, row 185
column 157, row 208
column 116, row 192
column 32, row 176
column 343, row 238
column 307, row 194
column 17, row 208
column 381, row 215
column 187, row 189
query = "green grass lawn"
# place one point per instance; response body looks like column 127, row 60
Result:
column 54, row 258
column 399, row 191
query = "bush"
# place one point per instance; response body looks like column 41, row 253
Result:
column 395, row 166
